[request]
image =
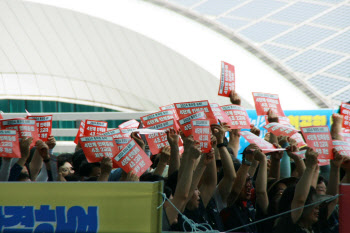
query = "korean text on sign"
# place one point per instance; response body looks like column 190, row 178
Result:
column 80, row 132
column 115, row 133
column 298, row 139
column 264, row 102
column 220, row 114
column 44, row 219
column 157, row 141
column 95, row 148
column 9, row 144
column 201, row 132
column 346, row 136
column 44, row 125
column 133, row 158
column 93, row 128
column 319, row 138
column 342, row 147
column 25, row 128
column 238, row 115
column 280, row 130
column 345, row 111
column 131, row 124
column 172, row 108
column 189, row 108
column 307, row 120
column 185, row 123
column 227, row 79
column 157, row 118
column 261, row 143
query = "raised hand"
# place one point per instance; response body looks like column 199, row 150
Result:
column 51, row 142
column 234, row 98
column 254, row 130
column 272, row 116
column 173, row 137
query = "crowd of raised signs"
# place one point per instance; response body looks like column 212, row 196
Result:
column 193, row 147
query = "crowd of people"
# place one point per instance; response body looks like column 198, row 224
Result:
column 214, row 190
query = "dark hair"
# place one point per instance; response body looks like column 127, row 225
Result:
column 22, row 176
column 77, row 159
column 86, row 168
column 322, row 179
column 288, row 195
column 151, row 177
column 64, row 158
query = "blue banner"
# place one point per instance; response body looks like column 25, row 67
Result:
column 298, row 118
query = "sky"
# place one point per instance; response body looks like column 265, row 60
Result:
column 198, row 43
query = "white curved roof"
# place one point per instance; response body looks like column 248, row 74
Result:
column 48, row 53
column 307, row 39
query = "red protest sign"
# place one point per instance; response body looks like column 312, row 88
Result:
column 265, row 146
column 186, row 109
column 346, row 136
column 344, row 204
column 25, row 128
column 80, row 132
column 9, row 144
column 238, row 115
column 319, row 138
column 131, row 124
column 172, row 108
column 342, row 147
column 90, row 128
column 282, row 120
column 220, row 114
column 264, row 102
column 201, row 132
column 156, row 141
column 115, row 133
column 299, row 140
column 227, row 79
column 44, row 125
column 97, row 147
column 157, row 118
column 122, row 142
column 93, row 128
column 133, row 158
column 185, row 123
column 280, row 130
column 345, row 111
column 321, row 162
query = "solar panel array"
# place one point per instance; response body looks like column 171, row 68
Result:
column 310, row 38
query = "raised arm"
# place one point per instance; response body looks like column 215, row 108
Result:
column 299, row 162
column 41, row 154
column 138, row 140
column 226, row 182
column 336, row 127
column 190, row 155
column 163, row 161
column 303, row 186
column 209, row 178
column 241, row 175
column 233, row 142
column 106, row 168
column 261, row 181
column 173, row 140
column 334, row 180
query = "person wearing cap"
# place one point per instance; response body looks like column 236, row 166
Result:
column 311, row 218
